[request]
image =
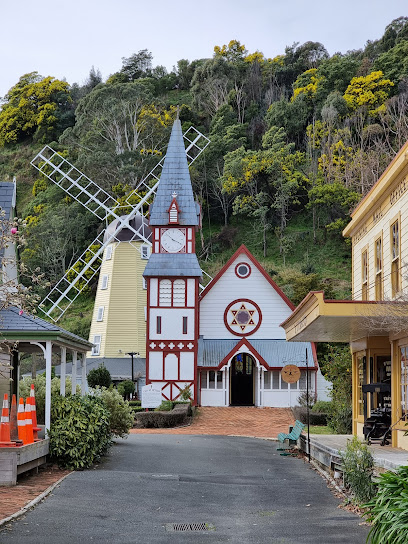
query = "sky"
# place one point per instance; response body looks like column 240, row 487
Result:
column 65, row 39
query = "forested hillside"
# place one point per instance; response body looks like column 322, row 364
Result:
column 296, row 140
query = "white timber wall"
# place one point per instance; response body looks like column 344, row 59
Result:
column 256, row 288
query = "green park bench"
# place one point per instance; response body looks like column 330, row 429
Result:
column 293, row 436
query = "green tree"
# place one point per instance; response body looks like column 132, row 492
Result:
column 35, row 107
column 99, row 376
column 369, row 91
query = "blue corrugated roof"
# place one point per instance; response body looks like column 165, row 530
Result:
column 173, row 264
column 175, row 178
column 7, row 197
column 11, row 321
column 276, row 353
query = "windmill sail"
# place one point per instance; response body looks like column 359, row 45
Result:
column 104, row 206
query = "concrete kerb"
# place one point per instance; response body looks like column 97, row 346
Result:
column 32, row 503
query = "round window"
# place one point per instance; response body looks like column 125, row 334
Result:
column 242, row 270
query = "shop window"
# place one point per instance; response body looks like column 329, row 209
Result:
column 395, row 258
column 404, row 381
column 378, row 270
column 361, row 371
column 364, row 275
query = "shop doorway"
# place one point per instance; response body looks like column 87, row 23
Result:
column 242, row 380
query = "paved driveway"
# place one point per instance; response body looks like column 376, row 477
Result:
column 240, row 487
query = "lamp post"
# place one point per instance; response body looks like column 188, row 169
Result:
column 132, row 354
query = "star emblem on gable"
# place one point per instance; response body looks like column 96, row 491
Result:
column 242, row 317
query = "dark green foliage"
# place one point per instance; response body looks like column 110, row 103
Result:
column 358, row 468
column 126, row 388
column 121, row 417
column 387, row 511
column 336, row 368
column 315, row 418
column 324, row 406
column 99, row 376
column 177, row 416
column 80, row 432
column 135, row 403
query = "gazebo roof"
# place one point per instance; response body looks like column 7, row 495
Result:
column 25, row 327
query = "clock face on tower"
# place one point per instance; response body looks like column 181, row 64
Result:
column 173, row 240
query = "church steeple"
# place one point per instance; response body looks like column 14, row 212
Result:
column 175, row 178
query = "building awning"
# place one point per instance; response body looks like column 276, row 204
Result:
column 320, row 320
column 214, row 353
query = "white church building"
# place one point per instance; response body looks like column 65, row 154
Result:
column 223, row 343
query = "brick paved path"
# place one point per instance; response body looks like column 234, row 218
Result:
column 237, row 420
column 29, row 486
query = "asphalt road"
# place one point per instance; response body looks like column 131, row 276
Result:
column 241, row 489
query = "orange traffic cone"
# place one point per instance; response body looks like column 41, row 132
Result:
column 36, row 428
column 21, row 424
column 13, row 423
column 28, row 422
column 5, row 440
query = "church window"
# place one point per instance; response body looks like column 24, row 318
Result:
column 96, row 349
column 242, row 270
column 108, row 254
column 165, row 293
column 267, row 380
column 105, row 279
column 179, row 293
column 158, row 324
column 212, row 379
column 144, row 283
column 219, row 380
column 100, row 313
column 184, row 325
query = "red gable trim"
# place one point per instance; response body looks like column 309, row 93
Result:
column 243, row 342
column 243, row 249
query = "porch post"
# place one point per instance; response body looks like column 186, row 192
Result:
column 83, row 380
column 48, row 359
column 74, row 371
column 63, row 370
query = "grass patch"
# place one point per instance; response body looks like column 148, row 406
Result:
column 320, row 429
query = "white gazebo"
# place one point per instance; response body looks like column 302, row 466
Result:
column 23, row 333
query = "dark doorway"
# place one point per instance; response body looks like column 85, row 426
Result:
column 242, row 380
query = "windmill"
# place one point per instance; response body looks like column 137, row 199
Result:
column 118, row 323
column 106, row 208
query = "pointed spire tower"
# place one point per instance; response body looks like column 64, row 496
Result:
column 173, row 275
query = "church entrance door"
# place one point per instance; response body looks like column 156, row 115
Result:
column 242, row 380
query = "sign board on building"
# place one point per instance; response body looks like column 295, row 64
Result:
column 151, row 396
column 290, row 373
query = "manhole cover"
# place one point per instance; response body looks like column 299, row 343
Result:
column 188, row 527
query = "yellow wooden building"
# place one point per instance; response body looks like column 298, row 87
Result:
column 119, row 318
column 375, row 321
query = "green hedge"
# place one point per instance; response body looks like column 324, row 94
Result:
column 315, row 418
column 135, row 403
column 80, row 432
column 157, row 419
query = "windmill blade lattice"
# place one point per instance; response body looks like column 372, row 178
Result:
column 102, row 205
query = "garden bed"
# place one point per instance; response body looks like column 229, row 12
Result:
column 16, row 460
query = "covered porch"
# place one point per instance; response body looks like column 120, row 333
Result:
column 376, row 332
